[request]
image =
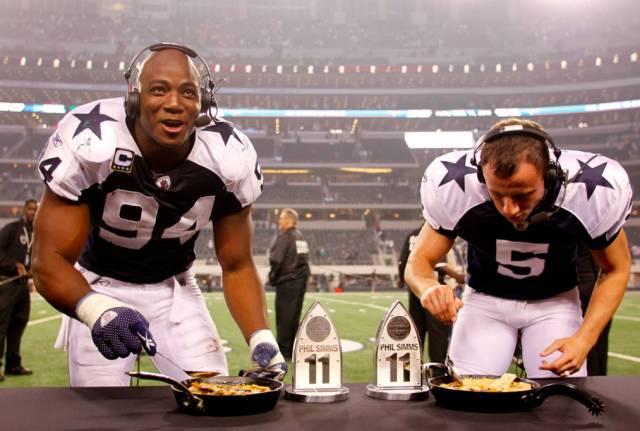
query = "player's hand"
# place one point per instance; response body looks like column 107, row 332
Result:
column 265, row 352
column 573, row 350
column 22, row 271
column 117, row 329
column 442, row 303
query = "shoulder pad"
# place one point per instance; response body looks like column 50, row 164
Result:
column 450, row 187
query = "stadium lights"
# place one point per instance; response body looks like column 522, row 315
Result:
column 121, row 65
column 216, row 68
column 73, row 63
column 326, row 69
column 530, row 67
column 341, row 69
column 482, row 67
column 232, row 68
column 372, row 69
column 56, row 63
column 616, row 59
column 403, row 69
column 310, row 70
column 277, row 127
column 89, row 65
column 466, row 68
column 39, row 62
column 563, row 64
column 264, row 68
column 598, row 61
column 451, row 68
column 308, row 216
column 633, row 57
column 295, row 68
column 434, row 68
column 367, row 170
column 419, row 69
column 23, row 61
column 498, row 68
column 105, row 65
column 514, row 67
column 247, row 68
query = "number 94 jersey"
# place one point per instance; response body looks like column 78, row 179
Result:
column 144, row 224
column 540, row 261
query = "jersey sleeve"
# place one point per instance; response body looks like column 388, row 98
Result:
column 249, row 186
column 449, row 189
column 72, row 161
column 600, row 197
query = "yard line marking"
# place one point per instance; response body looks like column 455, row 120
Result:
column 340, row 301
column 44, row 320
column 633, row 319
column 625, row 357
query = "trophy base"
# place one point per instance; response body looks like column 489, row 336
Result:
column 330, row 396
column 400, row 394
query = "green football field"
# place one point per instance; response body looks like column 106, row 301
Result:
column 356, row 316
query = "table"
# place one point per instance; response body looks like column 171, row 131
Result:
column 154, row 408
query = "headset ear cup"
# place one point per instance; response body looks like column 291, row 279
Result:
column 205, row 101
column 480, row 175
column 553, row 176
column 132, row 104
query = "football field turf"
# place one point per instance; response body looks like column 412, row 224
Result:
column 356, row 316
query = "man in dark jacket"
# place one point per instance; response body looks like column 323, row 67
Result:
column 289, row 260
column 15, row 248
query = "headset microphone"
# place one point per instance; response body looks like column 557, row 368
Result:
column 202, row 120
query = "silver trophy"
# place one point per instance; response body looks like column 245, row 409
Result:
column 317, row 360
column 398, row 358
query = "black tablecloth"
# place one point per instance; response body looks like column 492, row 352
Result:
column 154, row 408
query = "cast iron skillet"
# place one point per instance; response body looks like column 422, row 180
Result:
column 503, row 401
column 220, row 405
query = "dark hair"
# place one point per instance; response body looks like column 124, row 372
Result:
column 30, row 201
column 504, row 154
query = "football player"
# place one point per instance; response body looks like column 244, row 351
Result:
column 128, row 188
column 523, row 206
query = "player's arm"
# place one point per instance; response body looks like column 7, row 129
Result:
column 243, row 291
column 430, row 247
column 60, row 231
column 615, row 263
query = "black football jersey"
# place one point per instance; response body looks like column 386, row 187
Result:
column 538, row 262
column 144, row 224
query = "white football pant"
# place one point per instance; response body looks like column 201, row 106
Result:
column 486, row 331
column 178, row 320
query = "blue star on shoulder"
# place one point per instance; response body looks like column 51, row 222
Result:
column 224, row 129
column 592, row 177
column 456, row 172
column 92, row 121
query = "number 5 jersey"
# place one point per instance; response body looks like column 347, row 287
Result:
column 144, row 224
column 540, row 261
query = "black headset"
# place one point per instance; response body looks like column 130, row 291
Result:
column 554, row 174
column 207, row 86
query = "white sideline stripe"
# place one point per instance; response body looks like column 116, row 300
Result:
column 44, row 320
column 633, row 319
column 625, row 357
column 340, row 301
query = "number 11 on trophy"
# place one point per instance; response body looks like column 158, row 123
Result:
column 398, row 358
column 317, row 360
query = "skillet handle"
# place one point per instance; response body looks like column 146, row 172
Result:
column 191, row 402
column 426, row 370
column 537, row 396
